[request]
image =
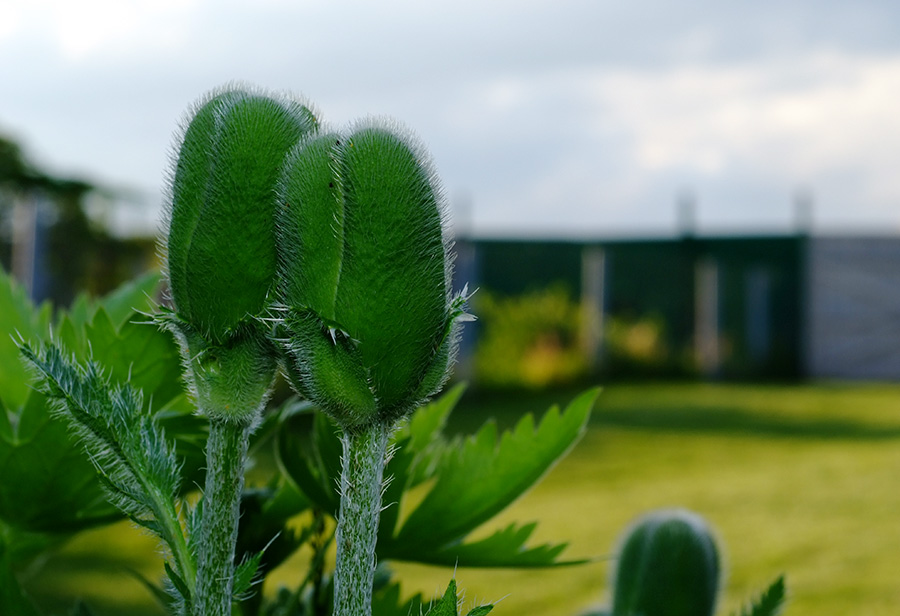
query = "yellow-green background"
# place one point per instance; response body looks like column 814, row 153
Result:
column 802, row 480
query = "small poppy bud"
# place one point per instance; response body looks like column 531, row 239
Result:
column 365, row 274
column 668, row 566
column 220, row 246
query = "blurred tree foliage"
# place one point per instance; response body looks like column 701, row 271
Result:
column 79, row 254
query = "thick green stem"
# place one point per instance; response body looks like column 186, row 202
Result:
column 357, row 530
column 226, row 450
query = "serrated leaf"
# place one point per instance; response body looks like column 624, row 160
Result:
column 314, row 469
column 426, row 424
column 56, row 487
column 387, row 602
column 424, row 438
column 265, row 526
column 18, row 316
column 80, row 312
column 481, row 477
column 245, row 574
column 504, row 548
column 397, row 479
column 132, row 457
column 132, row 297
column 448, row 605
column 770, row 602
column 178, row 584
column 70, row 336
column 139, row 353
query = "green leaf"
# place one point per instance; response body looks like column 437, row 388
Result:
column 18, row 316
column 56, row 489
column 139, row 353
column 473, row 480
column 504, row 548
column 386, row 602
column 479, row 478
column 178, row 584
column 424, row 431
column 132, row 298
column 418, row 448
column 133, row 458
column 245, row 575
column 770, row 602
column 12, row 598
column 122, row 304
column 267, row 530
column 448, row 605
column 313, row 470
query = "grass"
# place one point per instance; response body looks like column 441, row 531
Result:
column 801, row 480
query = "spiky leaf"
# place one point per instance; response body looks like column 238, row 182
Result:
column 483, row 477
column 480, row 477
column 56, row 489
column 448, row 605
column 770, row 602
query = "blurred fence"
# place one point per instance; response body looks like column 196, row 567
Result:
column 717, row 307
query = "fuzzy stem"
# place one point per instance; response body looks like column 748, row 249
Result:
column 226, row 451
column 357, row 529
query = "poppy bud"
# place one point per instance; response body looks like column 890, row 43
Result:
column 365, row 274
column 668, row 566
column 220, row 247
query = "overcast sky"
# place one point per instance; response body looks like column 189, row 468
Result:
column 548, row 117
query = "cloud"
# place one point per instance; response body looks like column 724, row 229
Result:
column 603, row 144
column 91, row 30
column 577, row 115
column 802, row 117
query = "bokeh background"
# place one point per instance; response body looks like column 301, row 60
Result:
column 694, row 204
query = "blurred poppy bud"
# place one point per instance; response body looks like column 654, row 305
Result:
column 369, row 322
column 668, row 566
column 220, row 246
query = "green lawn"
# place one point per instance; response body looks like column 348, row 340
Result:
column 802, row 480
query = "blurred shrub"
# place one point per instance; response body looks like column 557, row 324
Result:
column 529, row 340
column 534, row 340
column 637, row 347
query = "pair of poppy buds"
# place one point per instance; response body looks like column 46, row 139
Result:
column 322, row 250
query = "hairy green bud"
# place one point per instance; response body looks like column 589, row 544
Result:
column 365, row 274
column 220, row 246
column 668, row 566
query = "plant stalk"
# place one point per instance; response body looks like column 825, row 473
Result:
column 226, row 451
column 357, row 529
